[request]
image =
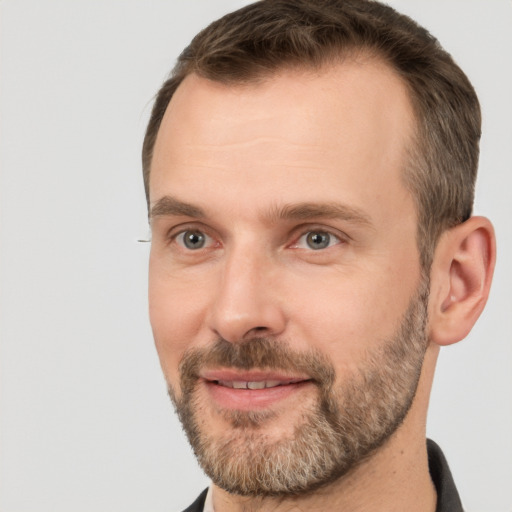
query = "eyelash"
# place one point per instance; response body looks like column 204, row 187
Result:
column 331, row 237
column 175, row 234
column 192, row 231
column 302, row 232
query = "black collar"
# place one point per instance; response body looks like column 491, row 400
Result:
column 448, row 499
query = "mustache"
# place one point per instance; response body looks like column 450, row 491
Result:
column 265, row 353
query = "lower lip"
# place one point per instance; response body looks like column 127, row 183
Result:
column 252, row 399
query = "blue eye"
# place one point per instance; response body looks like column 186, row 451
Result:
column 192, row 239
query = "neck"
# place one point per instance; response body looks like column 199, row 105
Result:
column 395, row 477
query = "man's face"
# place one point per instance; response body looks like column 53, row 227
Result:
column 285, row 294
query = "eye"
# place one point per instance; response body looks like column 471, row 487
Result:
column 317, row 240
column 193, row 239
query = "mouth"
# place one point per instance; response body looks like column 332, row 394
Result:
column 251, row 390
column 255, row 384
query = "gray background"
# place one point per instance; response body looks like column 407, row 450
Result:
column 85, row 422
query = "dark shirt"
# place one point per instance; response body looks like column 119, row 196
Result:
column 447, row 496
column 448, row 499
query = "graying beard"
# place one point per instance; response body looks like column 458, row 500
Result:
column 347, row 425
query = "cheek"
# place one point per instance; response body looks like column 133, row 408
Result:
column 176, row 317
column 351, row 316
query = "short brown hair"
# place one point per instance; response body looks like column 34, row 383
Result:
column 264, row 37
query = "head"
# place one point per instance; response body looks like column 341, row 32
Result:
column 263, row 38
column 309, row 169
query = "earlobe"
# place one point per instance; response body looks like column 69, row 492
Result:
column 460, row 279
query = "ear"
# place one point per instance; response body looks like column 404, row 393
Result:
column 461, row 277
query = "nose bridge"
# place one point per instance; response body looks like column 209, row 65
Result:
column 245, row 304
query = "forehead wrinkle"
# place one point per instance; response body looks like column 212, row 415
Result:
column 276, row 149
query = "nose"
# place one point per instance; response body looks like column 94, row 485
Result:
column 247, row 302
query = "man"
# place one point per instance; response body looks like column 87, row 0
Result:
column 309, row 170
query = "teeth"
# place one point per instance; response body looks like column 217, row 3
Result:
column 256, row 385
column 262, row 384
column 274, row 383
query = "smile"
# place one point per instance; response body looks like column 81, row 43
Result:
column 261, row 384
column 251, row 390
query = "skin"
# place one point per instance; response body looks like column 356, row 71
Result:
column 242, row 158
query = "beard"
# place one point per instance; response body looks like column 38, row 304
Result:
column 350, row 419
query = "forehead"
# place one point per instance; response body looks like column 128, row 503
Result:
column 353, row 119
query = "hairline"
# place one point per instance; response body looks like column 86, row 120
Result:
column 413, row 149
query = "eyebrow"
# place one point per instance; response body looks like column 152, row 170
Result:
column 169, row 206
column 310, row 211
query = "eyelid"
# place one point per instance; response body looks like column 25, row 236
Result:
column 304, row 230
column 177, row 229
column 180, row 240
column 173, row 233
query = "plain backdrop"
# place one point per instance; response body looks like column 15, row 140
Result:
column 85, row 423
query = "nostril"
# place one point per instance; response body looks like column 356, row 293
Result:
column 255, row 331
